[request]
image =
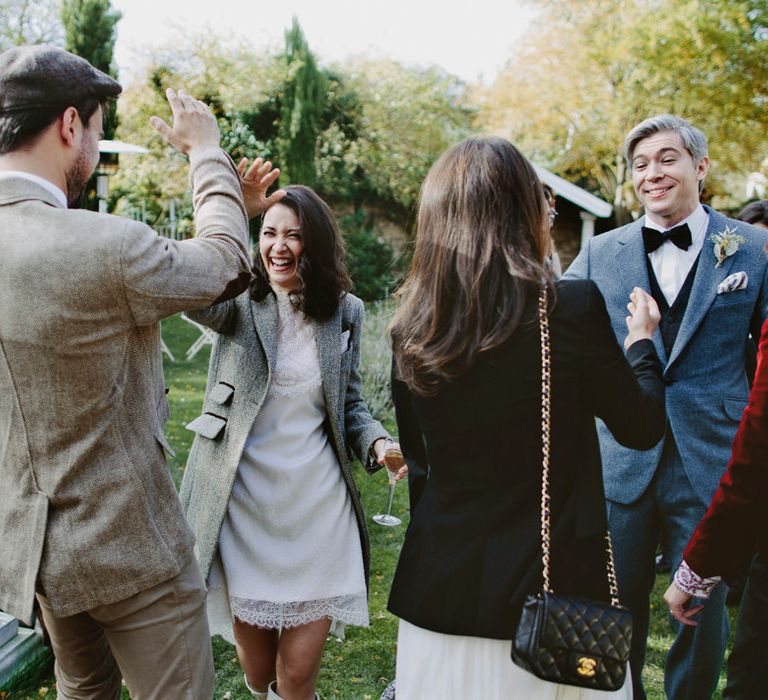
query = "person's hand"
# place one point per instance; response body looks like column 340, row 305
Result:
column 256, row 181
column 677, row 601
column 388, row 453
column 194, row 125
column 644, row 317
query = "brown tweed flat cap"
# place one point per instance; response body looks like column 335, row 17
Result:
column 42, row 76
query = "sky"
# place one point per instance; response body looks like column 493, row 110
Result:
column 470, row 38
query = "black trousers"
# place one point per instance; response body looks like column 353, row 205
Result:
column 748, row 661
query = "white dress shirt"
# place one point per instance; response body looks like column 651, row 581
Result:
column 671, row 265
column 61, row 197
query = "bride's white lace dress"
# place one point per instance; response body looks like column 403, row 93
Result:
column 289, row 548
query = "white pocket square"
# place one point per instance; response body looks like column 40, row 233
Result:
column 344, row 341
column 733, row 283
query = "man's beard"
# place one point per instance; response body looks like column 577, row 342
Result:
column 77, row 178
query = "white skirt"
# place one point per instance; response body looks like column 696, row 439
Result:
column 289, row 545
column 435, row 666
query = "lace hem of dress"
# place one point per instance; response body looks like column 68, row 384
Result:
column 346, row 609
column 688, row 581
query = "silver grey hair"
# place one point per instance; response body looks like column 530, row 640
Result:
column 693, row 139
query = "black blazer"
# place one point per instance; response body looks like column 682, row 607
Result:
column 472, row 551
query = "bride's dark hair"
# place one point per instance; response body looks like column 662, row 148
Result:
column 323, row 277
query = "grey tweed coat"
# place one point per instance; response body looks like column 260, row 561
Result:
column 88, row 511
column 241, row 367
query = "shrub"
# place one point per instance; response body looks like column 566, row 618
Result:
column 370, row 259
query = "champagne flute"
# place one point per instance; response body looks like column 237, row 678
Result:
column 393, row 460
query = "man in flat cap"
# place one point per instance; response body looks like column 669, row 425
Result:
column 91, row 524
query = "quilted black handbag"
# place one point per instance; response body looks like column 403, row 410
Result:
column 560, row 638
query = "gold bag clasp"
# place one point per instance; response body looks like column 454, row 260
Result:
column 586, row 666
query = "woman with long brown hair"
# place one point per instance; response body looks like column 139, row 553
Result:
column 466, row 385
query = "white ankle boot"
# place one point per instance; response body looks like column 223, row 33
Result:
column 272, row 695
column 255, row 693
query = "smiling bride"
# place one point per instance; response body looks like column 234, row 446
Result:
column 269, row 490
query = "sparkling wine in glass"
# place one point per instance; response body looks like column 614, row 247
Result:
column 393, row 460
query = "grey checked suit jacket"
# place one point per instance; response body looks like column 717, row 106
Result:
column 89, row 513
column 238, row 378
column 706, row 386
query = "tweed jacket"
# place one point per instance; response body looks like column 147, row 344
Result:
column 241, row 367
column 89, row 514
column 704, row 375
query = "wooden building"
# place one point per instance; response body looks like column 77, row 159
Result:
column 580, row 215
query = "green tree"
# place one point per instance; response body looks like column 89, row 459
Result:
column 340, row 176
column 302, row 103
column 410, row 115
column 592, row 69
column 338, row 127
column 29, row 22
column 227, row 74
column 89, row 27
column 370, row 258
column 381, row 127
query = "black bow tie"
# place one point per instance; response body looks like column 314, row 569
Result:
column 680, row 236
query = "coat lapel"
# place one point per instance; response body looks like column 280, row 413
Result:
column 705, row 283
column 265, row 320
column 631, row 261
column 328, row 339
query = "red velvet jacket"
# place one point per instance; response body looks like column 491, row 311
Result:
column 737, row 519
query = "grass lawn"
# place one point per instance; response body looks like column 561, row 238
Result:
column 361, row 666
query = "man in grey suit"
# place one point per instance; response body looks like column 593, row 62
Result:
column 708, row 275
column 91, row 524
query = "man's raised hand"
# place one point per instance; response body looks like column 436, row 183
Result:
column 194, row 125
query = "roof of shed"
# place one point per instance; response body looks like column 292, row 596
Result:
column 573, row 193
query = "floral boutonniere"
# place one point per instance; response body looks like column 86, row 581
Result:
column 726, row 242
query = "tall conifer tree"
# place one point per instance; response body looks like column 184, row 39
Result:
column 301, row 108
column 89, row 28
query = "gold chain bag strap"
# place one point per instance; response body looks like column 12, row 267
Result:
column 560, row 638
